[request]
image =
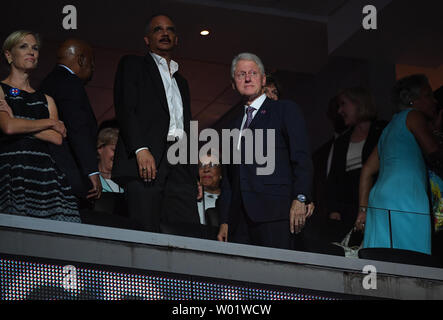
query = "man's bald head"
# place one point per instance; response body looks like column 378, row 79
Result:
column 78, row 56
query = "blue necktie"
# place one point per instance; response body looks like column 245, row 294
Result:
column 249, row 112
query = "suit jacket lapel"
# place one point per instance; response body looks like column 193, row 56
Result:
column 261, row 115
column 157, row 80
column 239, row 119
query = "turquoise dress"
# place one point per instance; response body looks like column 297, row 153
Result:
column 398, row 202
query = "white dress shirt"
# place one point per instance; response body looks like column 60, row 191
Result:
column 207, row 202
column 173, row 96
column 63, row 66
column 256, row 104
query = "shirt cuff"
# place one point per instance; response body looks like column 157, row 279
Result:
column 138, row 150
column 93, row 174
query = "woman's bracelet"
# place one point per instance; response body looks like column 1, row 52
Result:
column 362, row 209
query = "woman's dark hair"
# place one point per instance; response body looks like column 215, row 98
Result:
column 407, row 89
column 271, row 79
column 438, row 94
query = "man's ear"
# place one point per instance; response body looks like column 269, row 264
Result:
column 81, row 60
column 146, row 40
column 233, row 85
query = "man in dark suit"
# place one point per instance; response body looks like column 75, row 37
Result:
column 152, row 105
column 314, row 236
column 322, row 157
column 77, row 156
column 265, row 209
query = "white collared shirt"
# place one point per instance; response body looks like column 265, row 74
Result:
column 207, row 202
column 173, row 96
column 62, row 65
column 256, row 104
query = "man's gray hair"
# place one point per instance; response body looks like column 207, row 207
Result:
column 246, row 56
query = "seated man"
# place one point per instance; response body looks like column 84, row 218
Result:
column 209, row 171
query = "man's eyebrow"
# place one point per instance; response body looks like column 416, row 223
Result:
column 157, row 28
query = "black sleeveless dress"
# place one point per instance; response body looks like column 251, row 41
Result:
column 30, row 182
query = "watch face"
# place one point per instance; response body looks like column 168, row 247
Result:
column 301, row 198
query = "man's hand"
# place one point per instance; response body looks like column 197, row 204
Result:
column 310, row 207
column 297, row 216
column 223, row 233
column 96, row 191
column 146, row 165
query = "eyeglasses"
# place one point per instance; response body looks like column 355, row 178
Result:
column 242, row 75
column 208, row 165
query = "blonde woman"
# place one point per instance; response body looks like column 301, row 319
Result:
column 30, row 182
column 351, row 151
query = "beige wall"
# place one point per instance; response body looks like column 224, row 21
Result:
column 435, row 75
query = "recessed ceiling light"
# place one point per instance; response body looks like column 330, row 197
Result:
column 204, row 32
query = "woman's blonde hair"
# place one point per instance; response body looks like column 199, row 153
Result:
column 14, row 38
column 107, row 136
column 364, row 101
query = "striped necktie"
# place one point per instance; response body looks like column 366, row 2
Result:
column 249, row 112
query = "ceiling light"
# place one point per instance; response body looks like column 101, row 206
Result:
column 204, row 32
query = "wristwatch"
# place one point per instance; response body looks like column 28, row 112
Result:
column 302, row 198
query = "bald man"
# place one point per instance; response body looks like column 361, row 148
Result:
column 153, row 108
column 77, row 156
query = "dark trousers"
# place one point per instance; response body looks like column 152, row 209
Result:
column 170, row 198
column 243, row 230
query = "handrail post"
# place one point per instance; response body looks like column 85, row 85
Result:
column 390, row 228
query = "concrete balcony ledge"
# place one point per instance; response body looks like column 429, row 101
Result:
column 137, row 250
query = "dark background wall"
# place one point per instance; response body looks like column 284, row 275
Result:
column 314, row 47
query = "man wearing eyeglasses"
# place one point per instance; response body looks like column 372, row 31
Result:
column 265, row 210
column 152, row 105
column 210, row 174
